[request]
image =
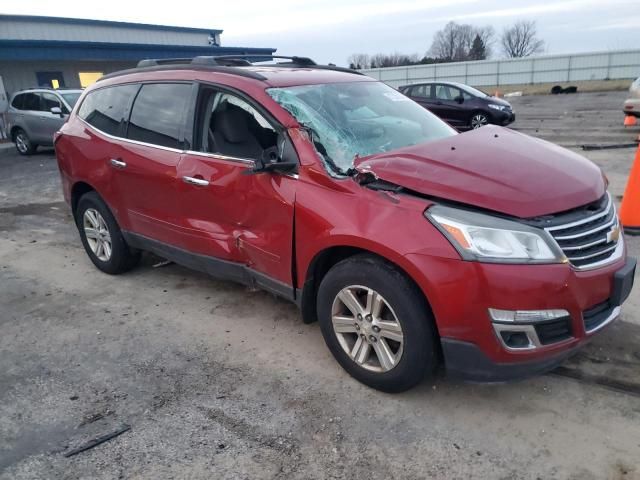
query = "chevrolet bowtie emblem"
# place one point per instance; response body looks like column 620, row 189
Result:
column 614, row 234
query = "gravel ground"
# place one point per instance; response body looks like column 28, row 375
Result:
column 220, row 382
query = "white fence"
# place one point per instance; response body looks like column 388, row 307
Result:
column 612, row 65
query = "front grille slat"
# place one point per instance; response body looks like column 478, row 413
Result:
column 587, row 241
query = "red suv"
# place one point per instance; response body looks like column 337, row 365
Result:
column 491, row 252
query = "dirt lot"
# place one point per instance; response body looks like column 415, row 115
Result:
column 220, row 382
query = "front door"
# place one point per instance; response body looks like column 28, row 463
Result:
column 446, row 106
column 229, row 212
column 50, row 123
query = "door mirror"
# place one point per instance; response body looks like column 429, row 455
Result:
column 56, row 111
column 459, row 99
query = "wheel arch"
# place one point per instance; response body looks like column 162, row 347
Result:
column 329, row 256
column 77, row 191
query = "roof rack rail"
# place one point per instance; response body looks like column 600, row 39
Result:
column 229, row 64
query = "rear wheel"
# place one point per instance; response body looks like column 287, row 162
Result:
column 101, row 236
column 377, row 324
column 23, row 143
column 479, row 119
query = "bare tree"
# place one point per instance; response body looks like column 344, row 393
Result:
column 382, row 60
column 359, row 60
column 521, row 40
column 454, row 42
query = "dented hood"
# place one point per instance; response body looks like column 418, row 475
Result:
column 493, row 168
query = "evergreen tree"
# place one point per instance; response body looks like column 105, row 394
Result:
column 478, row 49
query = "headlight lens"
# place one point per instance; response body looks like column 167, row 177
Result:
column 486, row 238
column 497, row 107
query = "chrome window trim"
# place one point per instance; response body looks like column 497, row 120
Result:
column 244, row 161
column 128, row 140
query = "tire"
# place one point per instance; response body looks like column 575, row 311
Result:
column 24, row 145
column 478, row 120
column 402, row 304
column 93, row 216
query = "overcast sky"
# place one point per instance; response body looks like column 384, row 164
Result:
column 329, row 30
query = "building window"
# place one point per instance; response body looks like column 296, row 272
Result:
column 88, row 78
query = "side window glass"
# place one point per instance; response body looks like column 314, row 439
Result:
column 158, row 111
column 31, row 101
column 466, row 95
column 105, row 109
column 443, row 92
column 232, row 127
column 420, row 91
column 18, row 101
column 49, row 101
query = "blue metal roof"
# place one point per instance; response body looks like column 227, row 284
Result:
column 74, row 50
column 84, row 21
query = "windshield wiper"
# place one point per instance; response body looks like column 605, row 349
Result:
column 323, row 151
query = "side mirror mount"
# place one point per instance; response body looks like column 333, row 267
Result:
column 459, row 99
column 277, row 159
column 56, row 111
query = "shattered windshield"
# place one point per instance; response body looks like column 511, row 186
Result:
column 357, row 119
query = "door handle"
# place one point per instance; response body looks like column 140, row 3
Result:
column 200, row 182
column 117, row 163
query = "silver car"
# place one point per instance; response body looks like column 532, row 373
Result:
column 632, row 104
column 35, row 114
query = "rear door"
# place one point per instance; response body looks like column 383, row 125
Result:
column 145, row 164
column 228, row 212
column 422, row 95
column 31, row 117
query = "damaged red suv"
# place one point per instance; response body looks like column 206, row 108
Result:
column 490, row 252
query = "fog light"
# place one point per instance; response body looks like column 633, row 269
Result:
column 525, row 316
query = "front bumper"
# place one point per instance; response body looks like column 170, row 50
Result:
column 632, row 107
column 471, row 344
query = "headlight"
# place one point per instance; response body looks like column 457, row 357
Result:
column 497, row 107
column 486, row 238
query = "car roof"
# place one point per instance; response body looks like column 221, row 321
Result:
column 437, row 82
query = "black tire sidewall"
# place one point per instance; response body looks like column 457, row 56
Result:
column 419, row 356
column 31, row 147
column 122, row 257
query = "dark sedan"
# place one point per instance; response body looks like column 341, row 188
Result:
column 460, row 105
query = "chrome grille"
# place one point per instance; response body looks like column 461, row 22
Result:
column 591, row 240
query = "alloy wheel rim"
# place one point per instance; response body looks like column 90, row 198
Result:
column 367, row 328
column 21, row 143
column 97, row 234
column 479, row 121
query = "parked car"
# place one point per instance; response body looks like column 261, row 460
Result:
column 460, row 105
column 493, row 252
column 632, row 104
column 35, row 114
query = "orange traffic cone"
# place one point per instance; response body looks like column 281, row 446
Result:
column 630, row 208
column 629, row 121
column 497, row 95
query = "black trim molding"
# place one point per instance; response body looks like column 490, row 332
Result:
column 221, row 269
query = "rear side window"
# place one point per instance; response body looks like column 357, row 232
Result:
column 18, row 101
column 158, row 113
column 106, row 109
column 31, row 101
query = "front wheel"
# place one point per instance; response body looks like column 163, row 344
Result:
column 377, row 324
column 23, row 143
column 478, row 120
